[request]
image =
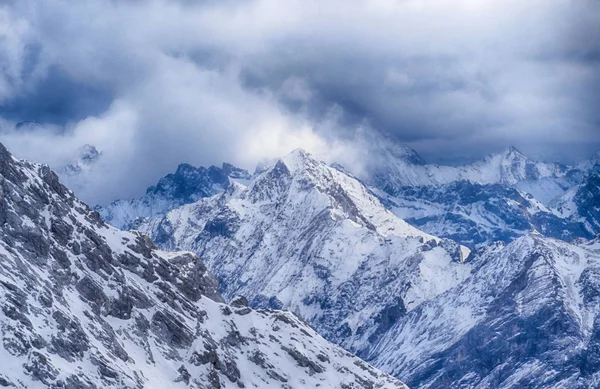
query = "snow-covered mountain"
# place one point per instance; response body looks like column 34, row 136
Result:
column 185, row 186
column 475, row 214
column 316, row 240
column 392, row 170
column 307, row 237
column 84, row 305
column 527, row 317
column 501, row 197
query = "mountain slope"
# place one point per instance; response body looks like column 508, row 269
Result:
column 84, row 305
column 474, row 214
column 528, row 317
column 312, row 239
column 186, row 185
column 582, row 203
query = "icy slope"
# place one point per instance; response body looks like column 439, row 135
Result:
column 84, row 305
column 312, row 239
column 185, row 186
column 528, row 317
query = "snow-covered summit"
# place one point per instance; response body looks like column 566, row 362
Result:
column 389, row 173
column 307, row 237
column 186, row 185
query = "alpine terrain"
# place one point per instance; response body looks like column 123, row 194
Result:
column 502, row 197
column 304, row 236
column 527, row 317
column 85, row 305
column 309, row 238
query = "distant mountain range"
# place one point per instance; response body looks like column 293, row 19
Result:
column 499, row 198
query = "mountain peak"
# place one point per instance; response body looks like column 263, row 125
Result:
column 512, row 152
column 407, row 154
column 182, row 168
column 4, row 153
column 298, row 153
column 298, row 160
column 187, row 185
column 87, row 157
column 89, row 153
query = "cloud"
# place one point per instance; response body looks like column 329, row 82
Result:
column 153, row 84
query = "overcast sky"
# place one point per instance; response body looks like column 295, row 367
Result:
column 156, row 83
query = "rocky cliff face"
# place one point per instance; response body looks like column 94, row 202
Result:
column 84, row 305
column 314, row 240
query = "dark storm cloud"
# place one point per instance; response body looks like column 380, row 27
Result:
column 57, row 99
column 153, row 84
column 531, row 80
